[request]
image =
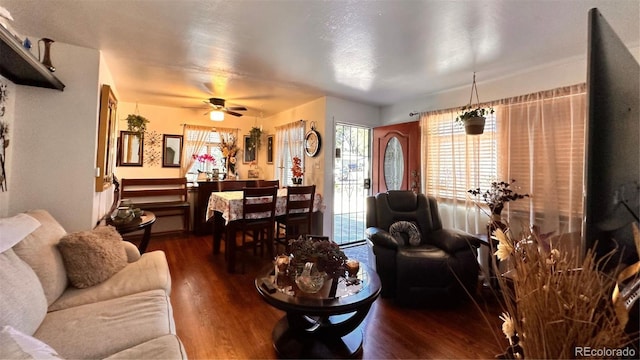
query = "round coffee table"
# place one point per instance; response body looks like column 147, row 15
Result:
column 144, row 222
column 317, row 325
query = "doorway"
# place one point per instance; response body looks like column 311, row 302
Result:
column 396, row 154
column 352, row 183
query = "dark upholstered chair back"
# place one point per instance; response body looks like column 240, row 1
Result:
column 441, row 260
column 384, row 209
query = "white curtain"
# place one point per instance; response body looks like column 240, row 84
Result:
column 541, row 145
column 536, row 139
column 195, row 137
column 289, row 143
column 453, row 163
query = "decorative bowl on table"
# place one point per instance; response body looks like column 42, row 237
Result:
column 310, row 280
column 122, row 215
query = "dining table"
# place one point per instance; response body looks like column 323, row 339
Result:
column 225, row 207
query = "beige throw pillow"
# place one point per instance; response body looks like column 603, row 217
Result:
column 91, row 257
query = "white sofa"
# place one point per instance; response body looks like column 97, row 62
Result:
column 127, row 316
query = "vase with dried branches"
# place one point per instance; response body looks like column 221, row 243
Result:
column 556, row 304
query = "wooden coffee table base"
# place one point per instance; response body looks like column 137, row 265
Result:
column 295, row 344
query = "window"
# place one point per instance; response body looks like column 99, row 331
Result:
column 536, row 139
column 455, row 161
column 289, row 143
column 203, row 163
column 544, row 150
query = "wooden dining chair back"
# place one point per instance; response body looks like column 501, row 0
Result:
column 264, row 183
column 258, row 219
column 231, row 185
column 296, row 220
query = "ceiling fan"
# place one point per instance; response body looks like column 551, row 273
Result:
column 217, row 105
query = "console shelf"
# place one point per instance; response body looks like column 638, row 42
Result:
column 21, row 67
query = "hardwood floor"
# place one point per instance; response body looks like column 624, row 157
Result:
column 221, row 316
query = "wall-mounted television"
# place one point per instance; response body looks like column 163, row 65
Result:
column 612, row 148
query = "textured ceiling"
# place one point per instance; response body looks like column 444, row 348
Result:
column 272, row 55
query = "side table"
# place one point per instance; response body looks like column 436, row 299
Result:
column 144, row 222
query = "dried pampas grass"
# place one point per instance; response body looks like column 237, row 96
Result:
column 555, row 301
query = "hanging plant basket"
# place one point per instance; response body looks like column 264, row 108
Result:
column 472, row 117
column 474, row 125
column 137, row 123
column 255, row 135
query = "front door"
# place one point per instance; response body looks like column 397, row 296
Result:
column 396, row 157
column 352, row 166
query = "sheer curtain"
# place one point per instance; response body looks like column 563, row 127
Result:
column 453, row 163
column 289, row 143
column 541, row 145
column 195, row 137
column 536, row 139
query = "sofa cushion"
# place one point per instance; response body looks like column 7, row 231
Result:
column 101, row 329
column 164, row 347
column 91, row 257
column 14, row 229
column 16, row 345
column 150, row 272
column 39, row 250
column 22, row 302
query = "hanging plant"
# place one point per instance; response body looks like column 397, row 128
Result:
column 255, row 135
column 137, row 123
column 471, row 117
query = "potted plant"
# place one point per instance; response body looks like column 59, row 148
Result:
column 498, row 194
column 473, row 117
column 137, row 123
column 254, row 138
column 296, row 171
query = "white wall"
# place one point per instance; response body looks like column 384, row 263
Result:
column 102, row 201
column 550, row 76
column 8, row 119
column 54, row 144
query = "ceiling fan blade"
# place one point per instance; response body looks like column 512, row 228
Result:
column 233, row 113
column 237, row 108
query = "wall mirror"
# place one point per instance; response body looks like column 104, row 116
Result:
column 106, row 156
column 130, row 148
column 171, row 150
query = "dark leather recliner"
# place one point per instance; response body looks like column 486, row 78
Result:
column 444, row 260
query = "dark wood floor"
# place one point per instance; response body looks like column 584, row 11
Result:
column 221, row 316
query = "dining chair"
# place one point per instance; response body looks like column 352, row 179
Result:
column 296, row 220
column 264, row 183
column 258, row 219
column 231, row 185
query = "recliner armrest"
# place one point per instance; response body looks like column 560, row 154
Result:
column 453, row 240
column 380, row 237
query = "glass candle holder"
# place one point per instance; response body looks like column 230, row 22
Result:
column 282, row 263
column 353, row 266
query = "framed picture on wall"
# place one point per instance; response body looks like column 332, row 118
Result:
column 270, row 149
column 250, row 153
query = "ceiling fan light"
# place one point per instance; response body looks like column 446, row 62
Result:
column 216, row 115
